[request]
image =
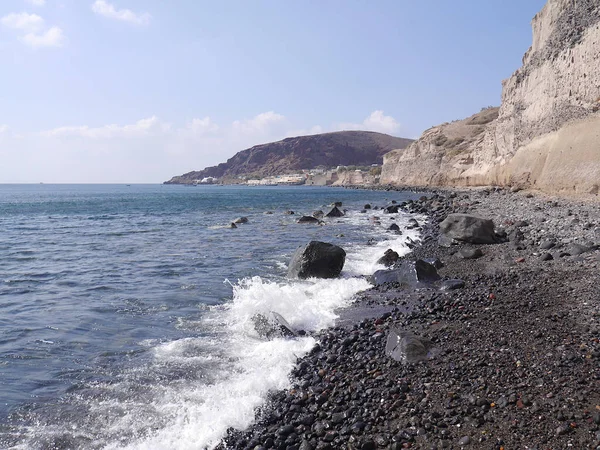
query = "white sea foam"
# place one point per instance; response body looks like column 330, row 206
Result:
column 229, row 370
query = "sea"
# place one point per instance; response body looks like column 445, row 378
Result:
column 126, row 311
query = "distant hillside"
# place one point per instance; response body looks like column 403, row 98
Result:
column 347, row 148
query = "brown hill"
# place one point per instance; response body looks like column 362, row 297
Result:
column 347, row 148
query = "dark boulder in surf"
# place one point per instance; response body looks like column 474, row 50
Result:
column 318, row 260
column 335, row 212
column 308, row 219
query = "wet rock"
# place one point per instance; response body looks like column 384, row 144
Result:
column 231, row 225
column 468, row 228
column 289, row 213
column 337, row 204
column 470, row 253
column 273, row 326
column 317, row 259
column 409, row 273
column 389, row 258
column 367, row 206
column 308, row 219
column 406, row 347
column 394, row 227
column 412, row 224
column 392, row 209
column 241, row 220
column 335, row 212
column 318, row 214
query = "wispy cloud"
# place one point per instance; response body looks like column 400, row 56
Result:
column 103, row 8
column 3, row 128
column 141, row 128
column 36, row 35
column 376, row 121
column 36, row 2
column 26, row 22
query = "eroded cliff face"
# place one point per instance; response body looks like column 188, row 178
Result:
column 547, row 131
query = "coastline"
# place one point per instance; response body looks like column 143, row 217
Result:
column 515, row 359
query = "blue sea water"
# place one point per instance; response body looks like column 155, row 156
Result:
column 126, row 311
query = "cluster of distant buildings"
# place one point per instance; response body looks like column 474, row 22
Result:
column 316, row 177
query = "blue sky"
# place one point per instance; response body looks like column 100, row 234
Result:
column 141, row 90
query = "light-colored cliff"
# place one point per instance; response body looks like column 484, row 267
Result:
column 546, row 134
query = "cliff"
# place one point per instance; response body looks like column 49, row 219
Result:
column 347, row 148
column 547, row 131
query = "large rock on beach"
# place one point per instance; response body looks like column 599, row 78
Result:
column 318, row 260
column 406, row 347
column 468, row 228
column 335, row 212
column 410, row 273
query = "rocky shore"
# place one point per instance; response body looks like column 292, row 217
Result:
column 512, row 358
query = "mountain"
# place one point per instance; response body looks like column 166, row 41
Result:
column 346, row 148
column 546, row 133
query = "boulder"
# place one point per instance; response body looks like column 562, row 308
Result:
column 394, row 227
column 468, row 228
column 411, row 273
column 274, row 326
column 367, row 206
column 406, row 347
column 289, row 213
column 389, row 258
column 412, row 224
column 317, row 259
column 470, row 253
column 318, row 214
column 241, row 220
column 231, row 225
column 308, row 219
column 575, row 249
column 450, row 285
column 392, row 209
column 335, row 212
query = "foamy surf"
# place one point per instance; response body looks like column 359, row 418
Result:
column 192, row 390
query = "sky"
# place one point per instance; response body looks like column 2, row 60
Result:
column 137, row 91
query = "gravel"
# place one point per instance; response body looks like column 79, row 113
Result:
column 515, row 356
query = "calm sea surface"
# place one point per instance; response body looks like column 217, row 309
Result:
column 125, row 311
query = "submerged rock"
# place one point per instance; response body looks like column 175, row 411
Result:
column 273, row 326
column 389, row 258
column 308, row 219
column 241, row 220
column 335, row 212
column 318, row 214
column 406, row 347
column 317, row 259
column 468, row 228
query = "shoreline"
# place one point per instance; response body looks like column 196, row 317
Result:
column 515, row 359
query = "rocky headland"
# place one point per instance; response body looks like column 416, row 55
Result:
column 345, row 148
column 546, row 133
column 499, row 350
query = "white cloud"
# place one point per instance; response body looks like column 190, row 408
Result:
column 33, row 26
column 53, row 37
column 36, row 2
column 3, row 128
column 103, row 8
column 260, row 124
column 376, row 121
column 141, row 128
column 29, row 23
column 202, row 126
